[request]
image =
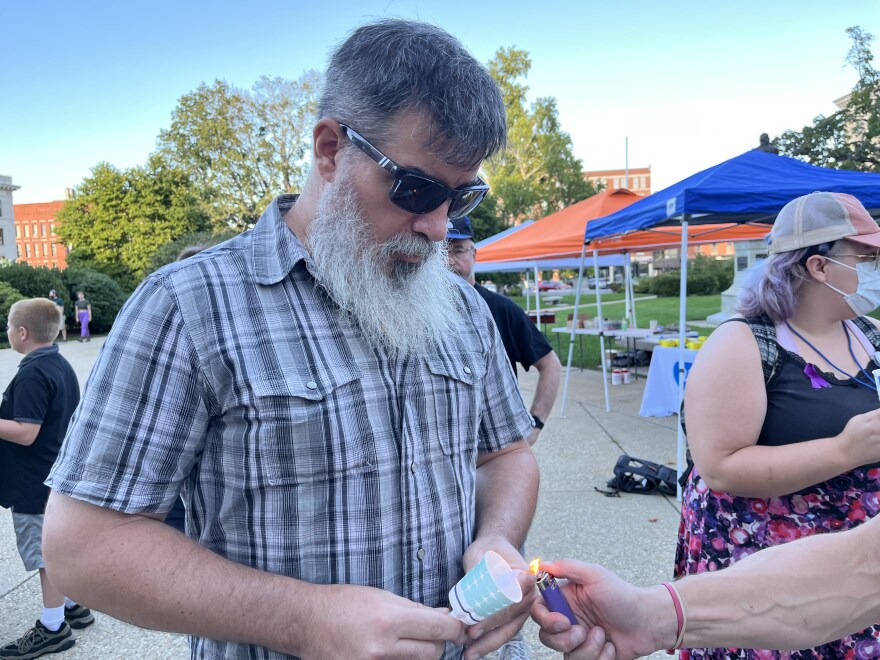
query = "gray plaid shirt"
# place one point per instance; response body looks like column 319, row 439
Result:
column 299, row 449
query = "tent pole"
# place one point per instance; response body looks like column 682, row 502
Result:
column 528, row 297
column 537, row 297
column 632, row 291
column 601, row 330
column 682, row 372
column 574, row 323
column 627, row 292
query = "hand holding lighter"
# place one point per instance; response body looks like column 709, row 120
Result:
column 553, row 596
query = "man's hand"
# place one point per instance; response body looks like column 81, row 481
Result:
column 491, row 634
column 617, row 620
column 361, row 622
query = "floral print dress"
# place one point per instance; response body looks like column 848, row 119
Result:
column 718, row 529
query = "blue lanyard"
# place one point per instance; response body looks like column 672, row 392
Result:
column 870, row 385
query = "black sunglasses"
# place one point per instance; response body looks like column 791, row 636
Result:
column 419, row 193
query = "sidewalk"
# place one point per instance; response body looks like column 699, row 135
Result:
column 633, row 535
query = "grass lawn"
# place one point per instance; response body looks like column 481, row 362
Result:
column 586, row 353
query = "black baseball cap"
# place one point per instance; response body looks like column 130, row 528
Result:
column 460, row 228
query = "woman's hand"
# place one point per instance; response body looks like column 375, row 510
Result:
column 860, row 438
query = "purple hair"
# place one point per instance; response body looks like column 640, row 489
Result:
column 771, row 286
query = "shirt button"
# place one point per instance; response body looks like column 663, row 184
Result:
column 467, row 370
column 413, row 467
column 312, row 385
column 421, row 554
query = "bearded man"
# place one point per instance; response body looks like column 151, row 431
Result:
column 334, row 406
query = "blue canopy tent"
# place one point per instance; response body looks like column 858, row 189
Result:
column 750, row 188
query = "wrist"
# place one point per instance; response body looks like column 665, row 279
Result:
column 662, row 617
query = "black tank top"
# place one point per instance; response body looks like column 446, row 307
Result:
column 798, row 412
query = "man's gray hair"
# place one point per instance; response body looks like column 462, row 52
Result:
column 387, row 68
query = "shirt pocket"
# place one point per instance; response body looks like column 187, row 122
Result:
column 456, row 389
column 307, row 428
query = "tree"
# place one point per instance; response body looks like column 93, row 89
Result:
column 538, row 173
column 119, row 218
column 243, row 147
column 850, row 138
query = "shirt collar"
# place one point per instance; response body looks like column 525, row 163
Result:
column 38, row 353
column 275, row 248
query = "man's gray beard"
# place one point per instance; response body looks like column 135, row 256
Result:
column 399, row 312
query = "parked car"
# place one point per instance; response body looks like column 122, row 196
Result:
column 489, row 286
column 549, row 285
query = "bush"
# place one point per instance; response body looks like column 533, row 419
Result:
column 706, row 277
column 102, row 291
column 31, row 282
column 8, row 297
column 667, row 284
column 79, row 259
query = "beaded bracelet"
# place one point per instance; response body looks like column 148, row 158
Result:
column 679, row 615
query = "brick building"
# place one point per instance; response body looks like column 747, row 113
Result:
column 35, row 237
column 639, row 179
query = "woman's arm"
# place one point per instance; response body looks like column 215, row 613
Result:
column 726, row 401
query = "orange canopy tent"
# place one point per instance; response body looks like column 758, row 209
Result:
column 561, row 234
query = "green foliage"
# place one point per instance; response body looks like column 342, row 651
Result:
column 9, row 295
column 119, row 218
column 81, row 258
column 706, row 276
column 665, row 284
column 105, row 295
column 485, row 219
column 242, row 147
column 171, row 251
column 850, row 138
column 538, row 173
column 32, row 282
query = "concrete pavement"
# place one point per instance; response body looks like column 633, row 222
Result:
column 632, row 534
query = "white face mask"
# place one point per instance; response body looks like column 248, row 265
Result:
column 866, row 297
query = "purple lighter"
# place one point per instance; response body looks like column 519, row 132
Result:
column 553, row 597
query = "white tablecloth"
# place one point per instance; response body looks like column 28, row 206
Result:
column 660, row 398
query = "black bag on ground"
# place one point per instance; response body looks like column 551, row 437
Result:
column 636, row 475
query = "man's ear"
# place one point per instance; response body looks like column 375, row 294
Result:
column 328, row 141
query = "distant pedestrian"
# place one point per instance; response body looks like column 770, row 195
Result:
column 59, row 301
column 83, row 315
column 34, row 414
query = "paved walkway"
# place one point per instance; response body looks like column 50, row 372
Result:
column 633, row 534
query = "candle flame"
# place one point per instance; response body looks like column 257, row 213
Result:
column 535, row 565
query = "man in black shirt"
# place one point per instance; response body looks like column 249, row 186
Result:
column 522, row 340
column 34, row 414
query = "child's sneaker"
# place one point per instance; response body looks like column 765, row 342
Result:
column 38, row 641
column 78, row 617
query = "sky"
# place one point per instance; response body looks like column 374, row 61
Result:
column 685, row 84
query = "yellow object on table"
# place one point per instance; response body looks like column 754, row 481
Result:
column 669, row 343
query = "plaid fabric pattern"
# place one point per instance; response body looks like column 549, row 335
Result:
column 299, row 448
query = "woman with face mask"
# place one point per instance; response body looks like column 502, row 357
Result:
column 782, row 411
